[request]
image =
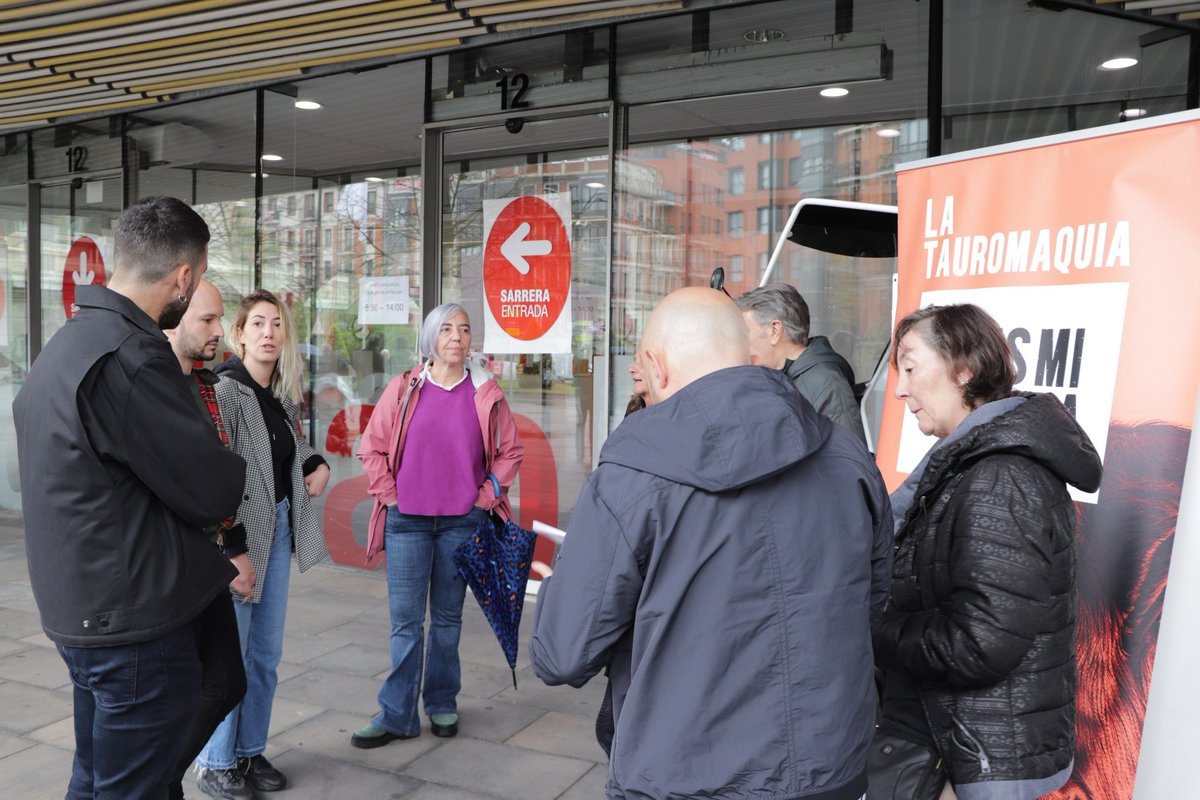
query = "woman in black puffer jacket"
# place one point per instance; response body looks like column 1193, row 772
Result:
column 978, row 642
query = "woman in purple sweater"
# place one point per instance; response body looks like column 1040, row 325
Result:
column 440, row 452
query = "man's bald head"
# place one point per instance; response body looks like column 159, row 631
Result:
column 691, row 333
column 199, row 332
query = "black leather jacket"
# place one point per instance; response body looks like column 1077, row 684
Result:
column 982, row 611
column 120, row 474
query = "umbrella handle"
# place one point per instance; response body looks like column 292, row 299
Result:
column 495, row 484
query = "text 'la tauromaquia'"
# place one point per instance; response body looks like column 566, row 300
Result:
column 1092, row 245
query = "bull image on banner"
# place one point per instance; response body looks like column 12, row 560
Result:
column 527, row 274
column 1083, row 247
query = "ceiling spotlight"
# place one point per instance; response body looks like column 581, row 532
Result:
column 763, row 35
column 834, row 91
column 887, row 133
column 594, row 185
column 308, row 105
column 1133, row 113
column 1119, row 63
column 271, row 157
column 373, row 179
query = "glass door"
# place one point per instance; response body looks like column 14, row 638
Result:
column 14, row 354
column 78, row 218
column 524, row 248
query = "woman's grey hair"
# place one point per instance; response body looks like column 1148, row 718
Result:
column 778, row 301
column 427, row 341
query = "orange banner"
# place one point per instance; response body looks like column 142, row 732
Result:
column 1084, row 248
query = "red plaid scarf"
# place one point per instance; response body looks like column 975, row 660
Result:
column 209, row 395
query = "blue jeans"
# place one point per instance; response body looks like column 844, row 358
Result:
column 243, row 733
column 131, row 701
column 420, row 566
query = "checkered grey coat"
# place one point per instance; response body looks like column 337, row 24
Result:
column 248, row 437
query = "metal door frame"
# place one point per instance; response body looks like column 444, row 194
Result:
column 432, row 158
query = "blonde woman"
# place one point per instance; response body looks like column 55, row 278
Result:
column 258, row 394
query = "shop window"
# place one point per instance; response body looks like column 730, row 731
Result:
column 1033, row 100
column 351, row 232
column 173, row 144
column 859, row 309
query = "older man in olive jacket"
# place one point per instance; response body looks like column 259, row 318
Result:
column 727, row 557
column 777, row 320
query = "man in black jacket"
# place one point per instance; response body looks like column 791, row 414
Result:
column 120, row 476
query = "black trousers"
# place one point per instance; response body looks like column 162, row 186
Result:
column 222, row 685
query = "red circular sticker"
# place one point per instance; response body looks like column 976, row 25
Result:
column 527, row 267
column 85, row 267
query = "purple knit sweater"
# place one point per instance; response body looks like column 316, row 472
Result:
column 441, row 468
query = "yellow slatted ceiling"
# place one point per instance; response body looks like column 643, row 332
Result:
column 65, row 58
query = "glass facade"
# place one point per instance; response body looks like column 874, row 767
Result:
column 682, row 142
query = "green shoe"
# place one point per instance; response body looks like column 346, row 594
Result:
column 443, row 725
column 371, row 735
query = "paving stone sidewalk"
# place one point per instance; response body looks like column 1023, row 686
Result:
column 532, row 743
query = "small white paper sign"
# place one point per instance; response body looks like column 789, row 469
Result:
column 383, row 301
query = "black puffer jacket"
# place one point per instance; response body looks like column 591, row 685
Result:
column 982, row 611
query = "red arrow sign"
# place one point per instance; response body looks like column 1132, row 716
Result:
column 527, row 267
column 85, row 267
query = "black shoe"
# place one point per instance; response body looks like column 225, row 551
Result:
column 371, row 735
column 224, row 784
column 261, row 775
column 444, row 731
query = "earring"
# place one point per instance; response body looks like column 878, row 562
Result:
column 181, row 298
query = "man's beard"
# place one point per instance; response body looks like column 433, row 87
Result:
column 202, row 353
column 172, row 314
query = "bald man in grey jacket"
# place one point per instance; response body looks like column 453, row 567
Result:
column 727, row 557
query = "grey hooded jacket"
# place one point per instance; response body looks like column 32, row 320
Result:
column 827, row 381
column 727, row 557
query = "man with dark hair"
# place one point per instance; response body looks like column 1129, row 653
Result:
column 724, row 561
column 121, row 476
column 777, row 320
